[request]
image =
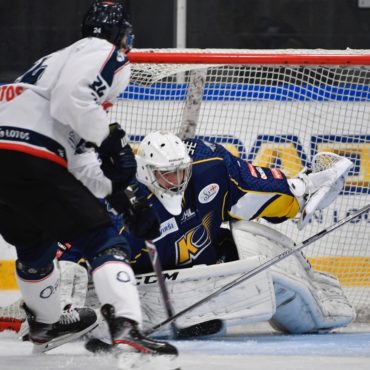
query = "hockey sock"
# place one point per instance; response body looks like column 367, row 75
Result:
column 115, row 284
column 40, row 291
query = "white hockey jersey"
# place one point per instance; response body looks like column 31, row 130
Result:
column 63, row 98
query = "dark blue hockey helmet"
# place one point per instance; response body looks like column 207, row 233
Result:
column 108, row 20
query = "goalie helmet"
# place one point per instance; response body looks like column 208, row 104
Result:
column 164, row 166
column 107, row 20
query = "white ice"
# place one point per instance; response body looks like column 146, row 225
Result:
column 254, row 347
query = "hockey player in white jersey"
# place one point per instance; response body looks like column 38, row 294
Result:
column 45, row 114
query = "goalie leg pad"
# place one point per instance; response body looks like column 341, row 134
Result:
column 252, row 300
column 307, row 301
column 321, row 306
column 73, row 284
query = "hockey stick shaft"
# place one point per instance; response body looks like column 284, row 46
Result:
column 264, row 266
column 157, row 267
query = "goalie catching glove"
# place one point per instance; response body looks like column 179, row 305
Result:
column 138, row 215
column 317, row 189
column 117, row 158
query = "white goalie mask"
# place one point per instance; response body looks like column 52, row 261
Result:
column 164, row 166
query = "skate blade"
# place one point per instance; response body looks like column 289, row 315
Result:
column 44, row 347
column 145, row 361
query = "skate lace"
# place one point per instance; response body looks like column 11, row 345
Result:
column 69, row 317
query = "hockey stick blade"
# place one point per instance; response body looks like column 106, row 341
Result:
column 263, row 266
column 202, row 329
column 96, row 345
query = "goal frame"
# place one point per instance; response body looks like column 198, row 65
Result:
column 250, row 58
column 192, row 63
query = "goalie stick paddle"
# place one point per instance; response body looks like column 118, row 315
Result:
column 263, row 267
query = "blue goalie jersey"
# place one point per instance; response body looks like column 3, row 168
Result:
column 222, row 188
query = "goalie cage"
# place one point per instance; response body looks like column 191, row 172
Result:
column 273, row 108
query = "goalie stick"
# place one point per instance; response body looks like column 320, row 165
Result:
column 202, row 329
column 263, row 266
column 133, row 201
column 156, row 263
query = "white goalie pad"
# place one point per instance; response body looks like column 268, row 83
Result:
column 73, row 284
column 252, row 300
column 306, row 300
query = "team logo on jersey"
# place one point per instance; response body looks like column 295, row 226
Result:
column 167, row 227
column 208, row 193
column 194, row 242
column 188, row 214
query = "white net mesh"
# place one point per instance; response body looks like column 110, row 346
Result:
column 12, row 316
column 279, row 116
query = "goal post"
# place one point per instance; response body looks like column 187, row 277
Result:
column 273, row 108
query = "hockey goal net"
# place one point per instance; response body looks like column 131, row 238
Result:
column 273, row 108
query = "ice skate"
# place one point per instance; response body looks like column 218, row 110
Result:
column 132, row 348
column 73, row 323
column 127, row 336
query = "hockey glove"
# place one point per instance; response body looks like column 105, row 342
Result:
column 139, row 217
column 117, row 157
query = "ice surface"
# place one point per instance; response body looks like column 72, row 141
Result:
column 261, row 348
column 253, row 347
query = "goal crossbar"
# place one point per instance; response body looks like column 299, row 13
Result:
column 252, row 58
